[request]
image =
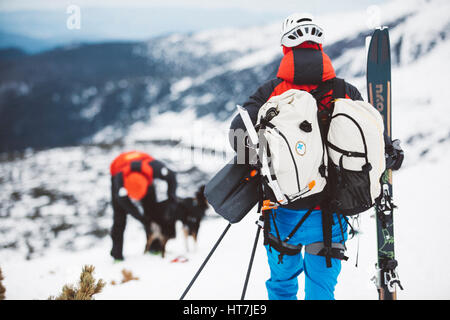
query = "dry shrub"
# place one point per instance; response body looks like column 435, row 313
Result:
column 2, row 288
column 87, row 287
column 127, row 275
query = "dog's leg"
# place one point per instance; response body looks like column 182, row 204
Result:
column 194, row 236
column 150, row 240
column 186, row 238
column 163, row 243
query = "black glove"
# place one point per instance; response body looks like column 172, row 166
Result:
column 394, row 155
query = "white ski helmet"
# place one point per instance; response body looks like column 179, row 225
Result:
column 299, row 28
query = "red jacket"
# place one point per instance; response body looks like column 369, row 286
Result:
column 304, row 68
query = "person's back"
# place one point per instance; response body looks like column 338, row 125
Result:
column 304, row 66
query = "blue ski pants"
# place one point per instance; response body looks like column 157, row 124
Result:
column 320, row 281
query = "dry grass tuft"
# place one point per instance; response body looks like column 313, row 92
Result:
column 87, row 287
column 2, row 288
column 127, row 275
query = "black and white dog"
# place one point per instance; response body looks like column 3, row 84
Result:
column 190, row 211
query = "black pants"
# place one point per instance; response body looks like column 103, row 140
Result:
column 120, row 221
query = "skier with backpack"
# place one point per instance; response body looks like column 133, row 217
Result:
column 320, row 153
column 132, row 177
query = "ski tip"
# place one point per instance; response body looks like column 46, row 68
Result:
column 379, row 48
column 381, row 28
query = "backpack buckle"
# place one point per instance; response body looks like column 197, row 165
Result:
column 269, row 205
column 271, row 113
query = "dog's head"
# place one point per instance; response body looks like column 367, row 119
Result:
column 201, row 199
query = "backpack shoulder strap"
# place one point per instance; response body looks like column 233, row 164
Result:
column 336, row 85
column 339, row 88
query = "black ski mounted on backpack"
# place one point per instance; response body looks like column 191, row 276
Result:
column 379, row 93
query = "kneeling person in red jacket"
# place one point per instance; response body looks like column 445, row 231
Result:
column 132, row 175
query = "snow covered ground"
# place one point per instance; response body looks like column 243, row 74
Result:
column 55, row 214
column 421, row 226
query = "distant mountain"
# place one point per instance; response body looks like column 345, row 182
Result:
column 25, row 43
column 67, row 95
column 11, row 53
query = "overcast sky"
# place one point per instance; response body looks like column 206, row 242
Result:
column 315, row 6
column 139, row 19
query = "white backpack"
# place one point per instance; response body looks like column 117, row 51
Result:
column 294, row 158
column 356, row 148
column 294, row 145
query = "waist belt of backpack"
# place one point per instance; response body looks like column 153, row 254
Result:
column 337, row 250
column 333, row 250
column 275, row 242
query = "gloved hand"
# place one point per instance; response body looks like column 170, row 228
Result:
column 394, row 155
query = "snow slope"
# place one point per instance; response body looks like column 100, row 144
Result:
column 55, row 213
column 420, row 244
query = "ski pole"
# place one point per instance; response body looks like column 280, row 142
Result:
column 204, row 262
column 244, row 290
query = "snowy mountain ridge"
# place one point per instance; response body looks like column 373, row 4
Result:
column 94, row 93
column 29, row 192
column 55, row 208
column 419, row 36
